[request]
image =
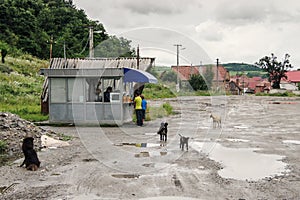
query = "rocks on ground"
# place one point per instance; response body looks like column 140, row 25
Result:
column 13, row 129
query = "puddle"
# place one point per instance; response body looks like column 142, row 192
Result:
column 138, row 144
column 282, row 102
column 155, row 145
column 89, row 160
column 148, row 165
column 169, row 198
column 142, row 154
column 150, row 154
column 244, row 163
column 237, row 140
column 150, row 134
column 125, row 175
column 291, row 141
column 240, row 127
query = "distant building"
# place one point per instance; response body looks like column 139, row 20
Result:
column 292, row 81
column 221, row 76
column 251, row 85
column 92, row 91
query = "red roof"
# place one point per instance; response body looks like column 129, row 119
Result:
column 186, row 72
column 292, row 76
column 251, row 83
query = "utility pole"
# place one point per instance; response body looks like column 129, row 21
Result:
column 51, row 42
column 91, row 41
column 65, row 55
column 177, row 85
column 138, row 57
column 217, row 73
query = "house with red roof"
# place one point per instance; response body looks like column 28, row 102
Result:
column 185, row 72
column 292, row 81
column 252, row 85
column 221, row 76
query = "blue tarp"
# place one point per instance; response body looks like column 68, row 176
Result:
column 138, row 76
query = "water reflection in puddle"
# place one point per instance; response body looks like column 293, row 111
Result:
column 291, row 142
column 243, row 163
column 169, row 198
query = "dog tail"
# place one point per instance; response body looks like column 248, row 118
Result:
column 32, row 167
column 179, row 134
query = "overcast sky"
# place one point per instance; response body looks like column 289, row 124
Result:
column 231, row 30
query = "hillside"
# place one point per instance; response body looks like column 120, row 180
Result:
column 243, row 68
column 238, row 67
column 21, row 86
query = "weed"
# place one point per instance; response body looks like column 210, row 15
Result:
column 64, row 137
column 168, row 108
column 3, row 146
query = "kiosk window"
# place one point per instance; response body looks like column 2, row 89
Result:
column 58, row 90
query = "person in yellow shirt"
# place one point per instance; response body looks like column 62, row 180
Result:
column 138, row 109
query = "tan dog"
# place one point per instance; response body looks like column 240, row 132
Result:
column 216, row 120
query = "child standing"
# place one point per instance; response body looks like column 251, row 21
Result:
column 144, row 106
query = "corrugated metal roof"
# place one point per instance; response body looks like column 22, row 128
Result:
column 78, row 63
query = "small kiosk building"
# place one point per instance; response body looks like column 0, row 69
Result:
column 82, row 95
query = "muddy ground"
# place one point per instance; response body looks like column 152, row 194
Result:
column 259, row 136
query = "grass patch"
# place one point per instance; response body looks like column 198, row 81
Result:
column 157, row 91
column 168, row 108
column 3, row 146
column 159, row 112
column 153, row 113
column 21, row 87
column 62, row 136
column 284, row 94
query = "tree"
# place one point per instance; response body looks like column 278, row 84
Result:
column 208, row 76
column 169, row 76
column 29, row 24
column 114, row 47
column 274, row 68
column 197, row 82
column 3, row 51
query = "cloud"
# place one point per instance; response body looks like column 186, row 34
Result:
column 232, row 30
column 166, row 7
column 241, row 12
column 210, row 30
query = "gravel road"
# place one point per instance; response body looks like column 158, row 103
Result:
column 254, row 155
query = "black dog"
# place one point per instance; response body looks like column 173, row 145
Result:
column 184, row 141
column 163, row 131
column 31, row 160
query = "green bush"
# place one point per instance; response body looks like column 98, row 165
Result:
column 168, row 108
column 156, row 91
column 3, row 146
column 5, row 69
column 285, row 94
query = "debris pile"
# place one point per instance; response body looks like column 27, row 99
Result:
column 13, row 130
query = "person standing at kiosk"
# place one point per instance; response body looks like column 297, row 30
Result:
column 138, row 109
column 107, row 94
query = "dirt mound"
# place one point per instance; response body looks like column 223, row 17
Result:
column 13, row 129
